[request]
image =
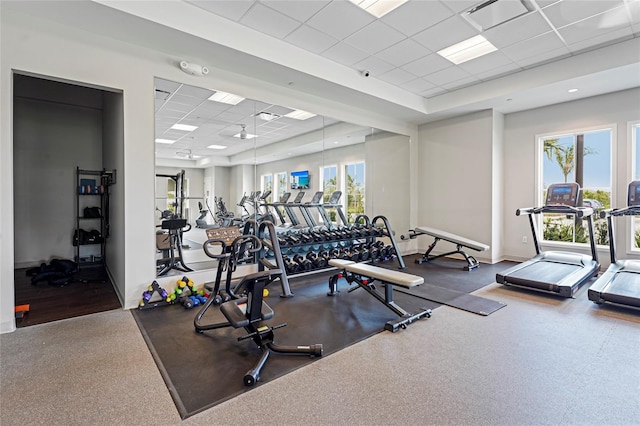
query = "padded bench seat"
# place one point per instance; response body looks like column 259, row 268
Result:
column 365, row 275
column 385, row 275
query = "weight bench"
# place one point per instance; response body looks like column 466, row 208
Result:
column 364, row 276
column 459, row 241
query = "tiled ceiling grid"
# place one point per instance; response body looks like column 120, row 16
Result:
column 399, row 48
column 218, row 122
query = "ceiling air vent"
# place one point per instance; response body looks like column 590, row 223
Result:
column 495, row 12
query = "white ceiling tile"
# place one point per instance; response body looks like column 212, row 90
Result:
column 415, row 16
column 344, row 54
column 269, row 21
column 230, row 9
column 404, row 52
column 311, row 39
column 417, row 86
column 533, row 46
column 376, row 65
column 197, row 92
column 445, row 34
column 446, row 76
column 340, row 19
column 601, row 38
column 427, row 65
column 544, row 57
column 396, row 76
column 485, row 63
column 459, row 84
column 460, row 5
column 298, row 10
column 596, row 26
column 509, row 68
column 166, row 85
column 375, row 37
column 567, row 12
column 545, row 3
column 527, row 26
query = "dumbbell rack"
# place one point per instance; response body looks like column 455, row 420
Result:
column 271, row 255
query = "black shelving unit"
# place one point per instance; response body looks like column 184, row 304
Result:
column 92, row 215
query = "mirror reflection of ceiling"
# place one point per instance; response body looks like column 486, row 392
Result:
column 224, row 131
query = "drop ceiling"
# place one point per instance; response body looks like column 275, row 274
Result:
column 321, row 47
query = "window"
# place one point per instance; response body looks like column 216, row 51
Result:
column 585, row 158
column 329, row 180
column 267, row 185
column 354, row 186
column 280, row 184
column 635, row 143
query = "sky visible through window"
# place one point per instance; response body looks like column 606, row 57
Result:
column 597, row 163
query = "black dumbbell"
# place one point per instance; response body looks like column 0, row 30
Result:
column 290, row 266
column 304, row 263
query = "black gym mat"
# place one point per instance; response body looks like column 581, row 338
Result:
column 456, row 299
column 202, row 370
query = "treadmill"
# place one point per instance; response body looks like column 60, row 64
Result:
column 620, row 284
column 557, row 272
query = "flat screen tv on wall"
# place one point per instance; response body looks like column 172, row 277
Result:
column 300, row 180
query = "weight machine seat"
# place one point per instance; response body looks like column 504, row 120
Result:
column 385, row 275
column 235, row 312
column 452, row 238
column 620, row 284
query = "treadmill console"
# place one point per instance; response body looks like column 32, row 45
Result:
column 563, row 194
column 299, row 197
column 285, row 197
column 316, row 197
column 335, row 197
column 633, row 199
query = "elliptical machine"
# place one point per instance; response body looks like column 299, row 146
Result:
column 246, row 308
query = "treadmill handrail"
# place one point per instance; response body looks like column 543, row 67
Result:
column 578, row 211
column 624, row 211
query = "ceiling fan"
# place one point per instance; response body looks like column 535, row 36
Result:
column 186, row 154
column 243, row 132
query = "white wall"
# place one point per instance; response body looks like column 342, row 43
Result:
column 456, row 189
column 519, row 158
column 113, row 159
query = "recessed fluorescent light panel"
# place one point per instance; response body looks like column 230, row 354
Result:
column 226, row 98
column 467, row 50
column 185, row 127
column 167, row 141
column 299, row 114
column 216, row 146
column 378, row 8
column 572, row 90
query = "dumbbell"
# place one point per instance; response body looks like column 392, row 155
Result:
column 290, row 266
column 313, row 258
column 304, row 263
column 323, row 258
column 364, row 252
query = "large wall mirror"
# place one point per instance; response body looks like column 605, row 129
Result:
column 214, row 150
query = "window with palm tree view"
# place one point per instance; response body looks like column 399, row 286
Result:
column 585, row 158
column 354, row 190
column 329, row 184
